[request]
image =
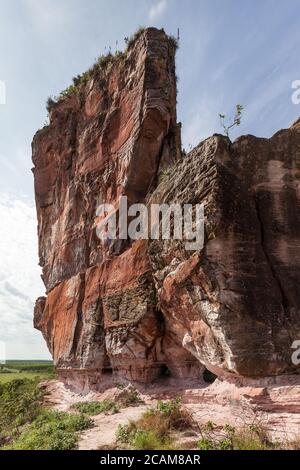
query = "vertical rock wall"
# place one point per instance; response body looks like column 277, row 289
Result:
column 109, row 137
column 235, row 304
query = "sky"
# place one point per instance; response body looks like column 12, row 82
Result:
column 231, row 52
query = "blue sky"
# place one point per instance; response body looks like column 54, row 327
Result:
column 231, row 52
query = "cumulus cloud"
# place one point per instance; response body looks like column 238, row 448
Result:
column 20, row 282
column 157, row 10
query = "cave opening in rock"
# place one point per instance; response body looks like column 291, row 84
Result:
column 208, row 376
column 107, row 371
column 164, row 371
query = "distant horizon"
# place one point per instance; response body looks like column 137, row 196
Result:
column 28, row 360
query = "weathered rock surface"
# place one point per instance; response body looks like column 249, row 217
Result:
column 235, row 304
column 140, row 308
column 111, row 138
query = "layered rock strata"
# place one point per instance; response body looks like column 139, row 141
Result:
column 235, row 304
column 110, row 137
column 142, row 308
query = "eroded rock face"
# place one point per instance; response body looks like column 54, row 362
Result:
column 142, row 308
column 235, row 305
column 111, row 138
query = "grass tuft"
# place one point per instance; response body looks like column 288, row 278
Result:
column 153, row 429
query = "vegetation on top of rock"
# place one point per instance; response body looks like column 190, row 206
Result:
column 130, row 41
column 175, row 43
column 236, row 120
column 50, row 103
column 100, row 65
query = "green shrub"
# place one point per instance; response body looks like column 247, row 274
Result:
column 153, row 429
column 93, row 408
column 20, row 403
column 26, row 425
column 104, row 60
column 173, row 414
column 167, row 408
column 206, row 444
column 133, row 398
column 71, row 90
column 119, row 385
column 132, row 39
column 251, row 437
column 51, row 430
column 148, row 440
column 142, row 439
column 126, row 433
column 225, row 444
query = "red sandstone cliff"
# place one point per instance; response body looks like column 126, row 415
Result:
column 235, row 305
column 110, row 138
column 135, row 307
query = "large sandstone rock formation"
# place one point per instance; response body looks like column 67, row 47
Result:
column 235, row 305
column 135, row 308
column 110, row 138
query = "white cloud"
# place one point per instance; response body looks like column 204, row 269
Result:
column 46, row 14
column 20, row 282
column 157, row 10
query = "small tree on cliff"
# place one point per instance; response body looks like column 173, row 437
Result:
column 236, row 120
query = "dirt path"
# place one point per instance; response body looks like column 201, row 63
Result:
column 104, row 431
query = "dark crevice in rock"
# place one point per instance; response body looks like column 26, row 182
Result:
column 164, row 371
column 208, row 376
column 284, row 300
column 79, row 322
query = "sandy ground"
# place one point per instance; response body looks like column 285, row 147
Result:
column 275, row 405
column 104, row 432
